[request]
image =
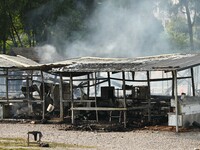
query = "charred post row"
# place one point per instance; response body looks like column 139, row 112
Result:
column 133, row 101
column 157, row 106
column 17, row 100
column 101, row 90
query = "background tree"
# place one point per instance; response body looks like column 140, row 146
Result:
column 187, row 10
column 27, row 23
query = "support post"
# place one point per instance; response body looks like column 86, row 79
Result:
column 176, row 97
column 109, row 83
column 173, row 92
column 88, row 86
column 71, row 97
column 149, row 96
column 124, row 93
column 28, row 93
column 95, row 91
column 61, row 98
column 43, row 96
column 31, row 79
column 192, row 78
column 7, row 98
column 133, row 76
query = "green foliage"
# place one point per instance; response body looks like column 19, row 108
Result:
column 177, row 30
column 26, row 23
column 21, row 144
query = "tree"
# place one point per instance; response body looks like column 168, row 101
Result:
column 4, row 27
column 185, row 4
column 177, row 30
column 27, row 23
column 188, row 10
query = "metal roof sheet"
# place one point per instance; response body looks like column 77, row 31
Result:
column 30, row 53
column 167, row 62
column 7, row 61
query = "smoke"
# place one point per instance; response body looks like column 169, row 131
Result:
column 121, row 29
column 116, row 28
column 48, row 53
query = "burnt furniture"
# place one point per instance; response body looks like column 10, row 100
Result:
column 37, row 137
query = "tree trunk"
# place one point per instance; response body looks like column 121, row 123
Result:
column 12, row 36
column 15, row 30
column 4, row 27
column 190, row 25
column 4, row 43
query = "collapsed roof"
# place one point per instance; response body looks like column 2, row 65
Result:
column 168, row 62
column 30, row 53
column 20, row 62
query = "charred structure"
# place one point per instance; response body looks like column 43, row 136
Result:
column 128, row 98
column 109, row 89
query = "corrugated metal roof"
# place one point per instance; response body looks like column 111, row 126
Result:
column 166, row 62
column 30, row 53
column 7, row 61
column 94, row 64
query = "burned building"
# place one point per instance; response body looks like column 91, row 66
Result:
column 126, row 85
column 25, row 89
column 118, row 89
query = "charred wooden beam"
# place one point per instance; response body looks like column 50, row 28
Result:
column 124, row 93
column 192, row 78
column 71, row 97
column 43, row 96
column 95, row 92
column 7, row 86
column 88, row 86
column 109, row 83
column 149, row 99
column 61, row 98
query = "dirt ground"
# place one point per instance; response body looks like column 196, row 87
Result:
column 149, row 138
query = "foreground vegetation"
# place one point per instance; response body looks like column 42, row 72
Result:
column 21, row 144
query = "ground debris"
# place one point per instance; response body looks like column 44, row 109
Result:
column 44, row 145
column 165, row 128
column 98, row 127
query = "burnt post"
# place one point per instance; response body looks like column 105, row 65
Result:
column 109, row 83
column 43, row 96
column 175, row 96
column 149, row 98
column 95, row 89
column 7, row 98
column 124, row 93
column 192, row 78
column 61, row 98
column 88, row 86
column 71, row 97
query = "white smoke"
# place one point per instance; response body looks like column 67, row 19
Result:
column 48, row 53
column 116, row 30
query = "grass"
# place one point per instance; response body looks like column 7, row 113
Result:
column 21, row 144
column 14, row 144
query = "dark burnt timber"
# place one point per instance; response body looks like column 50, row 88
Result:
column 17, row 87
column 108, row 89
column 168, row 62
column 117, row 70
column 24, row 93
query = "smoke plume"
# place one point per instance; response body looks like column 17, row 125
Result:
column 47, row 54
column 117, row 28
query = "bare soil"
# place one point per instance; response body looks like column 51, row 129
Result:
column 148, row 138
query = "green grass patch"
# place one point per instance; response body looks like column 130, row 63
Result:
column 21, row 144
column 63, row 145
